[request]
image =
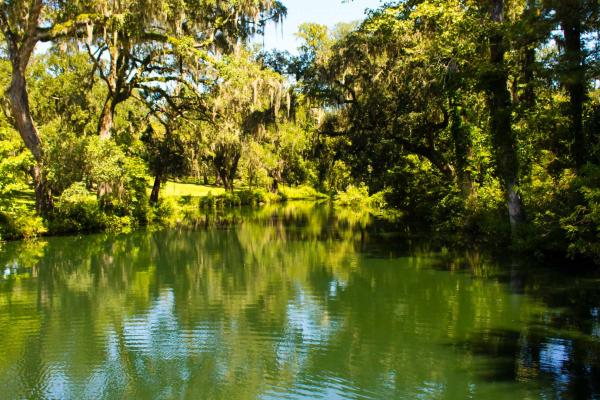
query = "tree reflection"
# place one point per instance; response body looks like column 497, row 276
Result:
column 299, row 302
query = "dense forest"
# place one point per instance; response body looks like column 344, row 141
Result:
column 471, row 118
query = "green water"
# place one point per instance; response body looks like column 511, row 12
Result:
column 300, row 302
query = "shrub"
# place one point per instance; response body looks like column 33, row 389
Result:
column 228, row 200
column 300, row 193
column 208, row 202
column 185, row 200
column 20, row 224
column 120, row 180
column 582, row 223
column 353, row 196
column 77, row 210
column 253, row 197
column 114, row 223
column 164, row 211
column 248, row 197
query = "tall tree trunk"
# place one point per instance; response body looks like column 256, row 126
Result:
column 105, row 123
column 234, row 168
column 574, row 75
column 154, row 196
column 528, row 96
column 23, row 122
column 503, row 137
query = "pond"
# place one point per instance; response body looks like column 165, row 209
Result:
column 295, row 302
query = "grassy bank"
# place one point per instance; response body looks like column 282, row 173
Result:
column 78, row 211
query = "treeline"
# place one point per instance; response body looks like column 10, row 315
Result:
column 478, row 117
column 106, row 99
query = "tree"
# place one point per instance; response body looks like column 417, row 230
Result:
column 245, row 104
column 575, row 18
column 500, row 106
column 165, row 154
column 24, row 24
column 126, row 28
column 142, row 47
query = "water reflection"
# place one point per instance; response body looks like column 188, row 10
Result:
column 293, row 302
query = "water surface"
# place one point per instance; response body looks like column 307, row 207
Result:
column 295, row 302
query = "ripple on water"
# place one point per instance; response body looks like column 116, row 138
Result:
column 320, row 387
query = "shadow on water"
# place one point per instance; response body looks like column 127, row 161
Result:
column 299, row 301
column 564, row 366
column 559, row 346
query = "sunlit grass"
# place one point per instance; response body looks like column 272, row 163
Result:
column 174, row 189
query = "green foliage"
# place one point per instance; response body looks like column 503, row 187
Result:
column 77, row 210
column 581, row 223
column 303, row 192
column 120, row 180
column 248, row 197
column 20, row 223
column 14, row 163
column 418, row 101
column 353, row 196
column 358, row 197
column 255, row 197
column 208, row 202
column 229, row 200
column 164, row 212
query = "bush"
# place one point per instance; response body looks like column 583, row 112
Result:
column 254, row 197
column 208, row 202
column 353, row 196
column 300, row 193
column 164, row 212
column 77, row 210
column 120, row 180
column 225, row 200
column 228, row 200
column 185, row 200
column 582, row 223
column 20, row 224
column 248, row 197
column 379, row 200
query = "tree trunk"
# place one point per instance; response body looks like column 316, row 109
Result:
column 503, row 138
column 234, row 167
column 23, row 122
column 43, row 195
column 226, row 163
column 105, row 123
column 154, row 196
column 574, row 77
column 528, row 96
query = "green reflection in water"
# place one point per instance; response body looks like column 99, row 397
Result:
column 293, row 302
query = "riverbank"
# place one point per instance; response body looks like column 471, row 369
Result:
column 79, row 211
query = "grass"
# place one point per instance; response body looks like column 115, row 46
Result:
column 300, row 193
column 169, row 189
column 177, row 190
column 174, row 189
